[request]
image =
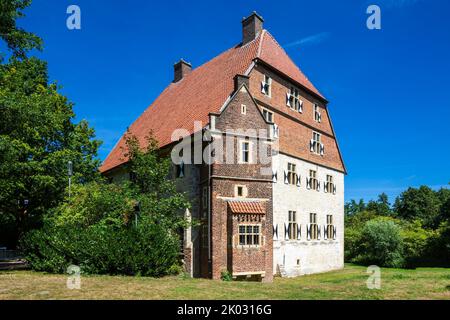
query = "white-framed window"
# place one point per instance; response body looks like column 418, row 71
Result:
column 316, row 145
column 249, row 235
column 266, row 86
column 243, row 109
column 245, row 152
column 292, row 225
column 268, row 115
column 240, row 191
column 317, row 114
column 313, row 226
column 293, row 100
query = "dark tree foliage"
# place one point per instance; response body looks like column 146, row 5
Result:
column 18, row 40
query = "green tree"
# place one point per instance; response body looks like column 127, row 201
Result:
column 353, row 207
column 421, row 203
column 381, row 243
column 17, row 40
column 382, row 206
column 37, row 133
column 128, row 228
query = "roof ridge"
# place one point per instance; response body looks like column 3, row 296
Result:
column 261, row 42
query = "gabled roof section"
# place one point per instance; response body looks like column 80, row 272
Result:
column 204, row 91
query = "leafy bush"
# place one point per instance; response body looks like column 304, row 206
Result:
column 381, row 244
column 147, row 250
column 415, row 242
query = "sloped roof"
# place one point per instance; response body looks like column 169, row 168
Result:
column 204, row 91
column 246, row 207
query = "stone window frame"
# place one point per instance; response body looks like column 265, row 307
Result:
column 314, row 226
column 249, row 151
column 247, row 234
column 292, row 225
column 243, row 109
column 292, row 175
column 267, row 111
column 313, row 181
column 329, row 232
column 244, row 191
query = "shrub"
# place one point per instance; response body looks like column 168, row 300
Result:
column 415, row 242
column 147, row 250
column 226, row 276
column 381, row 244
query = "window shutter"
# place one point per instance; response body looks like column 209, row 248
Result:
column 263, row 87
column 320, row 117
column 300, row 106
column 275, row 232
column 299, row 231
column 288, row 99
column 325, row 233
column 311, row 145
column 318, row 232
column 298, row 181
column 322, row 149
column 318, row 185
column 308, row 232
column 325, row 187
column 334, row 233
column 286, row 231
column 274, row 176
column 276, row 130
column 286, row 177
column 334, row 188
column 308, row 183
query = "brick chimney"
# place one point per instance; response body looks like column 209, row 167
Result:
column 181, row 69
column 251, row 27
column 240, row 79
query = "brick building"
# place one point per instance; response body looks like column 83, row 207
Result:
column 271, row 198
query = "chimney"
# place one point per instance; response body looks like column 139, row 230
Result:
column 181, row 69
column 240, row 79
column 251, row 27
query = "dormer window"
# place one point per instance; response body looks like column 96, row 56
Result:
column 317, row 114
column 293, row 100
column 266, row 86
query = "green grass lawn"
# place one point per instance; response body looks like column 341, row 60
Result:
column 349, row 283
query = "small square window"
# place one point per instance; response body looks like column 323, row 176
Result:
column 240, row 191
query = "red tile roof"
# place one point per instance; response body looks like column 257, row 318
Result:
column 247, row 207
column 204, row 91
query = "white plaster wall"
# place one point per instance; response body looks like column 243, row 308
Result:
column 314, row 255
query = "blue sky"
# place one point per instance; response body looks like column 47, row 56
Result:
column 388, row 89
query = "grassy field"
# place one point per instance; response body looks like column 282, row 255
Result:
column 350, row 283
